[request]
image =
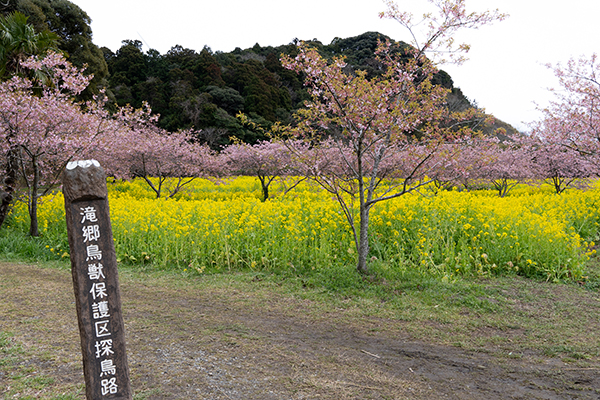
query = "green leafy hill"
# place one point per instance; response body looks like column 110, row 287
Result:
column 206, row 89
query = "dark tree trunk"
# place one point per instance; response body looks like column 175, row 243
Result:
column 5, row 202
column 10, row 182
column 33, row 200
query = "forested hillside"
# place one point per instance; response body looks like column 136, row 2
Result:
column 207, row 89
column 204, row 89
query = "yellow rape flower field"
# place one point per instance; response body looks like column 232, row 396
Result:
column 212, row 227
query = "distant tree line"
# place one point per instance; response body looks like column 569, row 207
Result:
column 206, row 90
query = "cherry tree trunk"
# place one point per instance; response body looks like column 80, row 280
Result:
column 10, row 181
column 33, row 201
column 363, row 240
column 265, row 187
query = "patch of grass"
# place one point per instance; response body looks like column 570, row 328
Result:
column 146, row 394
column 19, row 246
column 501, row 315
column 592, row 283
column 566, row 352
column 21, row 376
column 4, row 341
column 510, row 318
column 9, row 349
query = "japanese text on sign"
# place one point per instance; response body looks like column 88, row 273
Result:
column 100, row 309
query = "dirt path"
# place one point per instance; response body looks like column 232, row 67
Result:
column 221, row 343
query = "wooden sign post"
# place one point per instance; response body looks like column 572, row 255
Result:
column 95, row 281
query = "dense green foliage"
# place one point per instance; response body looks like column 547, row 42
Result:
column 72, row 25
column 206, row 90
column 18, row 41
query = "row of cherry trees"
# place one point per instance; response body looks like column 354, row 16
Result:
column 43, row 128
column 473, row 164
column 365, row 140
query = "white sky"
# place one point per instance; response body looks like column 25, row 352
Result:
column 505, row 73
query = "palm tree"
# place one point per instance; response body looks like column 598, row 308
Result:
column 19, row 40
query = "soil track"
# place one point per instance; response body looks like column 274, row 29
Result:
column 224, row 344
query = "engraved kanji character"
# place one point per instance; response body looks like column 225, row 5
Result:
column 93, row 253
column 107, row 368
column 109, row 386
column 98, row 290
column 102, row 328
column 104, row 348
column 100, row 310
column 90, row 232
column 89, row 214
column 95, row 271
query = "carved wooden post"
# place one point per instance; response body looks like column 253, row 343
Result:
column 95, row 281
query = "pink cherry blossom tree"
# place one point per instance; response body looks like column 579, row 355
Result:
column 507, row 164
column 457, row 164
column 167, row 162
column 369, row 120
column 572, row 119
column 464, row 171
column 268, row 161
column 42, row 128
column 561, row 166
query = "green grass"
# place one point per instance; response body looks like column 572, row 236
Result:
column 510, row 318
column 504, row 315
column 22, row 376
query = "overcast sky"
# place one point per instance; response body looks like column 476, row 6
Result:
column 505, row 75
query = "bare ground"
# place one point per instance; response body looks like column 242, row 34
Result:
column 223, row 343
